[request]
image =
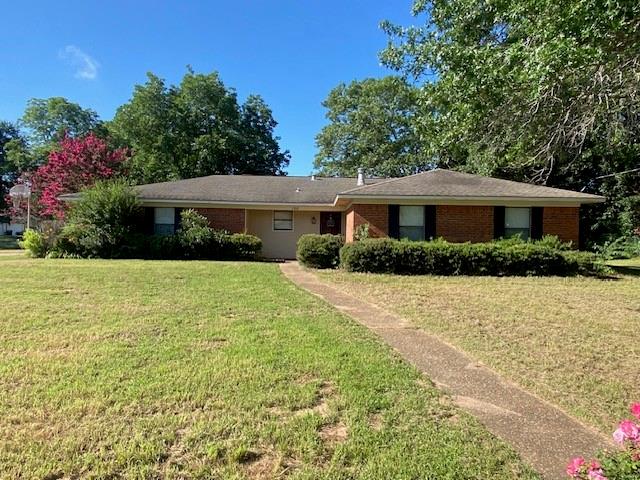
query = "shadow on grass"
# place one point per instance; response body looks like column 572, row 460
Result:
column 626, row 270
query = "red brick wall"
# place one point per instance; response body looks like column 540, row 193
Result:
column 563, row 222
column 461, row 223
column 231, row 219
column 377, row 216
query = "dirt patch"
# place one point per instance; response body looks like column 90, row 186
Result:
column 326, row 390
column 376, row 422
column 334, row 433
column 261, row 465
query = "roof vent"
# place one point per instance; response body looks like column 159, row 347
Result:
column 360, row 181
column 313, row 178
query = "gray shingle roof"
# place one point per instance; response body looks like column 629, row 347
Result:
column 250, row 189
column 447, row 183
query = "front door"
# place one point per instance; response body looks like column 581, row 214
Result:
column 331, row 222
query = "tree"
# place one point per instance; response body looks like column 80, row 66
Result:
column 372, row 125
column 49, row 120
column 14, row 159
column 194, row 129
column 76, row 164
column 540, row 91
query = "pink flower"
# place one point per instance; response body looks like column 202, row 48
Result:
column 619, row 436
column 574, row 467
column 635, row 410
column 595, row 471
column 630, row 430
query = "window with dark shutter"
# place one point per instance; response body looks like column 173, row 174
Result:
column 394, row 219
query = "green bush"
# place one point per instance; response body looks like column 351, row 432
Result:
column 438, row 257
column 241, row 246
column 102, row 222
column 319, row 251
column 622, row 247
column 34, row 243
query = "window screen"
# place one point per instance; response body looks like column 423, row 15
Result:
column 283, row 220
column 163, row 221
column 411, row 222
column 517, row 221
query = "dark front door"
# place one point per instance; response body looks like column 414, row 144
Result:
column 331, row 222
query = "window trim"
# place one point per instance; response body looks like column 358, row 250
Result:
column 172, row 224
column 422, row 225
column 273, row 221
column 506, row 229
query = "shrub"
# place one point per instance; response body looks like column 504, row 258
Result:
column 241, row 246
column 623, row 464
column 102, row 222
column 622, row 247
column 439, row 257
column 319, row 251
column 34, row 243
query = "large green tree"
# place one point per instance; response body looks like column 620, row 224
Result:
column 537, row 90
column 196, row 128
column 372, row 125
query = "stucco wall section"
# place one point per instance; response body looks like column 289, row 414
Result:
column 462, row 223
column 563, row 222
column 377, row 216
column 280, row 243
column 231, row 219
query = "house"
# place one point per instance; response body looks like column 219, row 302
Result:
column 458, row 207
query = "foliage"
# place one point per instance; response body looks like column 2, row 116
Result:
column 76, row 164
column 10, row 139
column 50, row 120
column 319, row 251
column 372, row 125
column 102, row 221
column 194, row 129
column 630, row 217
column 34, row 243
column 361, row 232
column 621, row 247
column 438, row 257
column 540, row 91
column 621, row 465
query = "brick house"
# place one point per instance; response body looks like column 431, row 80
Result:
column 458, row 207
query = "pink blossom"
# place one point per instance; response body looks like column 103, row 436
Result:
column 630, row 430
column 574, row 467
column 619, row 436
column 635, row 410
column 595, row 471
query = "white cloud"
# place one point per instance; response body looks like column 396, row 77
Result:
column 86, row 66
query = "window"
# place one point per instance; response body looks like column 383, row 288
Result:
column 517, row 221
column 164, row 221
column 283, row 220
column 412, row 222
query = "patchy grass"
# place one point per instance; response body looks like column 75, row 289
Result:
column 140, row 369
column 8, row 242
column 573, row 341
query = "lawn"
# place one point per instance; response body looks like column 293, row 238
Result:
column 141, row 369
column 8, row 242
column 572, row 341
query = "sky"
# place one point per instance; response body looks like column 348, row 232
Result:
column 291, row 52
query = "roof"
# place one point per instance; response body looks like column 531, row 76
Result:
column 251, row 189
column 450, row 184
column 436, row 185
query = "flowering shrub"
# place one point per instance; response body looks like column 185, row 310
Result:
column 621, row 465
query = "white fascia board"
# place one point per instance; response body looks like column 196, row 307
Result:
column 145, row 202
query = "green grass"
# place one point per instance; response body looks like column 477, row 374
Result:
column 140, row 369
column 573, row 341
column 8, row 242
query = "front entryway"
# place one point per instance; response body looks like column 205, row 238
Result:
column 331, row 222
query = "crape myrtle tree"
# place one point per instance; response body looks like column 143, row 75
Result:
column 75, row 164
column 372, row 124
column 194, row 129
column 539, row 91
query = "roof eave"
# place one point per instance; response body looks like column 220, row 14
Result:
column 475, row 200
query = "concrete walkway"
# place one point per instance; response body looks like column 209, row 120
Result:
column 543, row 435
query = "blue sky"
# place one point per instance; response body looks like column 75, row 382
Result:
column 292, row 52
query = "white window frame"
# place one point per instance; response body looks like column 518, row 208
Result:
column 506, row 228
column 156, row 210
column 422, row 225
column 273, row 221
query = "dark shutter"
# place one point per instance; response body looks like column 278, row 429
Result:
column 429, row 222
column 498, row 222
column 536, row 222
column 177, row 219
column 394, row 221
column 149, row 220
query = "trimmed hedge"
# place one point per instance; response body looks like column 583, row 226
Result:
column 319, row 251
column 438, row 257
